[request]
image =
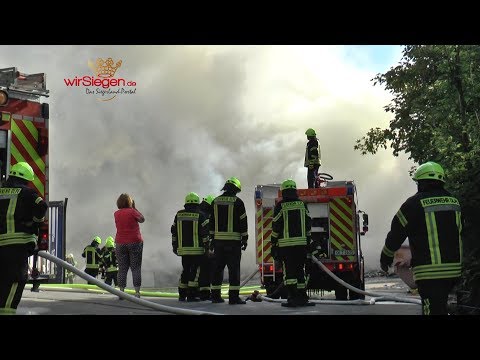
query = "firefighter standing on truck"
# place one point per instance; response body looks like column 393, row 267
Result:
column 21, row 211
column 432, row 221
column 109, row 262
column 229, row 235
column 189, row 240
column 312, row 158
column 290, row 240
column 206, row 268
column 93, row 257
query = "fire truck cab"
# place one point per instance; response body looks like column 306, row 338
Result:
column 24, row 135
column 337, row 226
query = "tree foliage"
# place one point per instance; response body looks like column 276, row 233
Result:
column 436, row 117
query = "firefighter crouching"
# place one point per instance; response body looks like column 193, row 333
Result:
column 70, row 276
column 21, row 211
column 93, row 258
column 189, row 240
column 208, row 263
column 432, row 221
column 109, row 262
column 290, row 239
column 229, row 235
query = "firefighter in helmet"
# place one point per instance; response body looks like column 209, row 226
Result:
column 206, row 268
column 109, row 262
column 290, row 240
column 21, row 212
column 70, row 276
column 228, row 235
column 189, row 240
column 93, row 257
column 312, row 157
column 432, row 221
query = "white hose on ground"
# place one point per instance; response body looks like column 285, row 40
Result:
column 121, row 294
column 249, row 277
column 376, row 296
column 331, row 302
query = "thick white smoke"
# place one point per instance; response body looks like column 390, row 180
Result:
column 201, row 114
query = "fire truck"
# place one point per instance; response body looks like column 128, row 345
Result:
column 24, row 137
column 337, row 226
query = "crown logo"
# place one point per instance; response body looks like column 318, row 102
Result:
column 104, row 68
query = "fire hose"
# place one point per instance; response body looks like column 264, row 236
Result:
column 376, row 297
column 121, row 294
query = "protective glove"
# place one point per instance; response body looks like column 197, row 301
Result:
column 244, row 245
column 310, row 167
column 385, row 262
column 309, row 256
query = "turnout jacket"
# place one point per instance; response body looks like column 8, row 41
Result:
column 432, row 221
column 228, row 220
column 291, row 224
column 190, row 231
column 312, row 153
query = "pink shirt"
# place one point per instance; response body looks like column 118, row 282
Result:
column 128, row 229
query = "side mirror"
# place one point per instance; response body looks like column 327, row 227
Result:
column 365, row 223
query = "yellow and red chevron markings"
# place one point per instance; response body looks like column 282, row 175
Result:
column 24, row 148
column 264, row 218
column 341, row 228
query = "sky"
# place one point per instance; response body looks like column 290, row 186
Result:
column 201, row 114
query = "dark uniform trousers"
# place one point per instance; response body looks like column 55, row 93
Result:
column 434, row 294
column 206, row 276
column 111, row 276
column 294, row 258
column 14, row 275
column 227, row 253
column 189, row 278
column 311, row 176
column 92, row 272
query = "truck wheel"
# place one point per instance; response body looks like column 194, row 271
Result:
column 359, row 285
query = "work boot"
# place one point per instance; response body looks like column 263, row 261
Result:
column 182, row 294
column 292, row 296
column 234, row 299
column 216, row 297
column 191, row 295
column 302, row 298
column 204, row 295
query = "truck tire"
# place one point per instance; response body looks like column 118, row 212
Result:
column 354, row 295
column 341, row 292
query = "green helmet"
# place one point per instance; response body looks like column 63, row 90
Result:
column 429, row 171
column 22, row 170
column 192, row 198
column 209, row 199
column 288, row 184
column 233, row 180
column 97, row 240
column 310, row 132
column 109, row 242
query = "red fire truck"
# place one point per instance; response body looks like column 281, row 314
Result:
column 24, row 136
column 337, row 225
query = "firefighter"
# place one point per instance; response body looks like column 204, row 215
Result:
column 206, row 268
column 229, row 235
column 109, row 262
column 312, row 158
column 21, row 212
column 432, row 221
column 93, row 258
column 290, row 240
column 69, row 274
column 189, row 240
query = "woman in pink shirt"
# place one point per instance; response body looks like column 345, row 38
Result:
column 129, row 242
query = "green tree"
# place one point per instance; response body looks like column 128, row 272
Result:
column 436, row 117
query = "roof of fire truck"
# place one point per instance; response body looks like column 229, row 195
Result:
column 23, row 86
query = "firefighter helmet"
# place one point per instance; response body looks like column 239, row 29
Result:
column 234, row 181
column 22, row 170
column 288, row 184
column 429, row 171
column 70, row 256
column 109, row 242
column 97, row 240
column 209, row 199
column 310, row 132
column 192, row 198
